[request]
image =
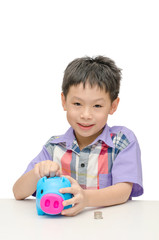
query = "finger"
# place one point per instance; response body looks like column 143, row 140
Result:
column 41, row 170
column 68, row 190
column 70, row 201
column 46, row 170
column 71, row 211
column 58, row 173
column 54, row 168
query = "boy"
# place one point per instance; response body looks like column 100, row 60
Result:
column 103, row 164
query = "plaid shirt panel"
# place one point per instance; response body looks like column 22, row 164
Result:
column 92, row 166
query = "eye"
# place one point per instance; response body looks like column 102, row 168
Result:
column 42, row 191
column 77, row 104
column 97, row 106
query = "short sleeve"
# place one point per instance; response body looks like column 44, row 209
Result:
column 127, row 168
column 42, row 156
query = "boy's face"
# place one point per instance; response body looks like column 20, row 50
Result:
column 87, row 111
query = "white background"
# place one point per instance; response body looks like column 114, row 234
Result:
column 37, row 41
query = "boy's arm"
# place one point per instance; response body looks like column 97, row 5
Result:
column 113, row 195
column 26, row 184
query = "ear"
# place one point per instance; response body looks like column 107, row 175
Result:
column 63, row 100
column 114, row 106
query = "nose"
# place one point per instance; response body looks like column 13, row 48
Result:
column 86, row 113
column 51, row 203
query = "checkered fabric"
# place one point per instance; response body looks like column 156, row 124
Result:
column 86, row 166
column 113, row 157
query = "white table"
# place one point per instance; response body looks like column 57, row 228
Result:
column 132, row 220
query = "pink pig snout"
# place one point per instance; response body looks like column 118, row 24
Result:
column 51, row 203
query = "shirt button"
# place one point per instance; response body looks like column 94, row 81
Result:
column 82, row 165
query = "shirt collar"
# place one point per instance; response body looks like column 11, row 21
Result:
column 69, row 137
column 105, row 137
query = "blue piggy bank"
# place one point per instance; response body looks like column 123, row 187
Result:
column 48, row 198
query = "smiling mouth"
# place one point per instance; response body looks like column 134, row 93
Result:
column 83, row 126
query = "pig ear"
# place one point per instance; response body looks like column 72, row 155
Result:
column 63, row 179
column 41, row 181
column 44, row 179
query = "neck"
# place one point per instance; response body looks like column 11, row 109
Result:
column 85, row 141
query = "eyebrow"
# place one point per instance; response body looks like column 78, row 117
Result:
column 95, row 100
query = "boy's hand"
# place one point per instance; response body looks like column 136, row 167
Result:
column 47, row 168
column 78, row 201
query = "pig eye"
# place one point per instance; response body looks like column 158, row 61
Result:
column 42, row 191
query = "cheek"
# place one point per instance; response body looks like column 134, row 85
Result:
column 71, row 114
column 101, row 116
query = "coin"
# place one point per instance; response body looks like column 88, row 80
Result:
column 98, row 215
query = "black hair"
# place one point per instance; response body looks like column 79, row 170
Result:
column 101, row 71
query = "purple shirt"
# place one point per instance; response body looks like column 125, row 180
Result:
column 113, row 157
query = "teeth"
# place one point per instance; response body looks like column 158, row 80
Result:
column 86, row 125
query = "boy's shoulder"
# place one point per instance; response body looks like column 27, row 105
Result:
column 122, row 137
column 122, row 132
column 52, row 139
column 63, row 139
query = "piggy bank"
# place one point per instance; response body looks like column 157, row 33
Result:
column 48, row 198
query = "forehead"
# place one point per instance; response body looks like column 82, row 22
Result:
column 87, row 91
